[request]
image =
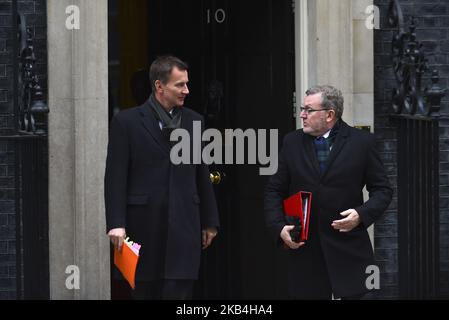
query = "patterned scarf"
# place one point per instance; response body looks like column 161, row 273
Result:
column 322, row 151
column 323, row 146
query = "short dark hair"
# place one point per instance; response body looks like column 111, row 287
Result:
column 162, row 67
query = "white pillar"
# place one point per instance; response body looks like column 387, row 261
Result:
column 78, row 127
column 363, row 43
column 304, row 54
column 334, row 51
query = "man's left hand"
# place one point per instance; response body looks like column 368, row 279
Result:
column 208, row 235
column 351, row 220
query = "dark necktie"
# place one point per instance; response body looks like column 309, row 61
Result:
column 322, row 151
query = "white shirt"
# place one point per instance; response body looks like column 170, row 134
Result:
column 326, row 135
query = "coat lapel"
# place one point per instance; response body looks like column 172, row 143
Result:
column 310, row 154
column 340, row 141
column 187, row 122
column 152, row 126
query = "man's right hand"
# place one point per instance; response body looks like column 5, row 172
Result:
column 285, row 236
column 117, row 237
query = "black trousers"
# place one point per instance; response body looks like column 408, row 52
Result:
column 166, row 289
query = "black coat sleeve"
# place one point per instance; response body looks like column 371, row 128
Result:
column 378, row 186
column 115, row 182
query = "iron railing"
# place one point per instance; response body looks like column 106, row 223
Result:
column 415, row 111
column 29, row 143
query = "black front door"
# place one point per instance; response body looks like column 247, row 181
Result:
column 241, row 59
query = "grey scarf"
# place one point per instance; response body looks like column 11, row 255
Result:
column 169, row 121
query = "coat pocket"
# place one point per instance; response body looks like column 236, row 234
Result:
column 138, row 199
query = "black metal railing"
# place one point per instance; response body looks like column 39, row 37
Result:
column 418, row 209
column 415, row 111
column 31, row 214
column 29, row 142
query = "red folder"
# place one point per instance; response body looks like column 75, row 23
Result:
column 126, row 261
column 298, row 205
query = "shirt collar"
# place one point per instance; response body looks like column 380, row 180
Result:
column 326, row 135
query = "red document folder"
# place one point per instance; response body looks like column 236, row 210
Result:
column 298, row 205
column 126, row 261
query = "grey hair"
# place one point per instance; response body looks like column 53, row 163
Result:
column 331, row 98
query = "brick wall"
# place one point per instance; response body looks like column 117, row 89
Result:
column 432, row 17
column 7, row 204
column 35, row 13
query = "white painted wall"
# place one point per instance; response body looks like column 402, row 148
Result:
column 78, row 129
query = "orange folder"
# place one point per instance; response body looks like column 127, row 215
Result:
column 298, row 205
column 126, row 262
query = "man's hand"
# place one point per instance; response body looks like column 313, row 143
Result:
column 117, row 237
column 351, row 221
column 285, row 236
column 208, row 235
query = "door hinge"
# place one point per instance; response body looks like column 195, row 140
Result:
column 293, row 6
column 294, row 104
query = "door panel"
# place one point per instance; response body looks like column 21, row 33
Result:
column 264, row 85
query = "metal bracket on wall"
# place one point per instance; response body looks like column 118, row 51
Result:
column 365, row 128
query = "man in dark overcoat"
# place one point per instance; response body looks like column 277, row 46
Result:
column 334, row 162
column 169, row 209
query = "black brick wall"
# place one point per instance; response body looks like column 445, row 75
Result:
column 35, row 13
column 7, row 200
column 433, row 31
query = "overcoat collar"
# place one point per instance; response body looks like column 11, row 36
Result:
column 151, row 124
column 310, row 153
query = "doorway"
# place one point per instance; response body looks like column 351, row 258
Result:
column 241, row 59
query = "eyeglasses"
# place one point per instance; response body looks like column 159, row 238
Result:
column 310, row 110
